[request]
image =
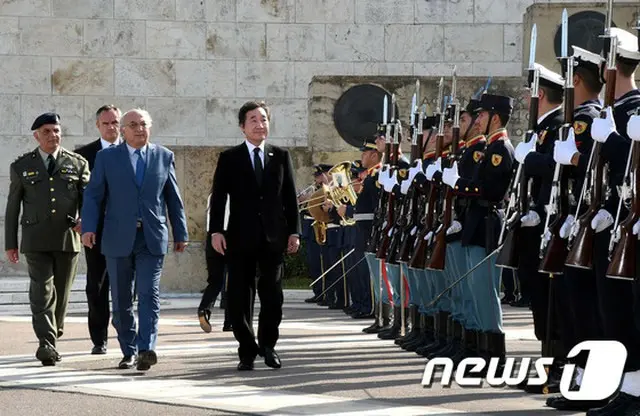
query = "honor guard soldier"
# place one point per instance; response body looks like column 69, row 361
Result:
column 538, row 166
column 314, row 249
column 618, row 296
column 48, row 183
column 366, row 205
column 486, row 191
column 336, row 296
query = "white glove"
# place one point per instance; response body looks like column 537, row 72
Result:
column 633, row 128
column 602, row 128
column 383, row 175
column 636, row 229
column 390, row 182
column 530, row 219
column 433, row 168
column 523, row 149
column 601, row 220
column 565, row 230
column 455, row 227
column 414, row 169
column 450, row 175
column 563, row 151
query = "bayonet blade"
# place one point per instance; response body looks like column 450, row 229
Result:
column 453, row 85
column 564, row 50
column 414, row 109
column 385, row 110
column 393, row 108
column 440, row 95
column 532, row 46
column 417, row 92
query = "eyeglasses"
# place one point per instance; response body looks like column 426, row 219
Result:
column 134, row 126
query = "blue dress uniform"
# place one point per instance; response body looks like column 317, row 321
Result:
column 369, row 271
column 486, row 190
column 331, row 254
column 314, row 250
column 619, row 300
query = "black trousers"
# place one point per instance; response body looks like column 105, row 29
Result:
column 97, row 290
column 216, row 276
column 241, row 292
column 619, row 302
column 583, row 300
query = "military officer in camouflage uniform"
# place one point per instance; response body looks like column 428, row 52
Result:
column 48, row 183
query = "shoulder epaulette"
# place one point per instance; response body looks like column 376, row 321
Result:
column 592, row 110
column 73, row 154
column 32, row 154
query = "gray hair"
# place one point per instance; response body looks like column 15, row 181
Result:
column 144, row 113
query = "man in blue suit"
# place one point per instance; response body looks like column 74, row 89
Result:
column 136, row 181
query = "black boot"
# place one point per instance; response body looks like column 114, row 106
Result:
column 440, row 335
column 425, row 336
column 376, row 327
column 448, row 350
column 481, row 351
column 394, row 331
column 467, row 348
column 414, row 320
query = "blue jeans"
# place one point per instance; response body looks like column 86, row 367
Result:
column 146, row 269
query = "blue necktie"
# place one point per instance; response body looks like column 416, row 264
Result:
column 140, row 165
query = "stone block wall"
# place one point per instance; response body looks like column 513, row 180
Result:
column 193, row 63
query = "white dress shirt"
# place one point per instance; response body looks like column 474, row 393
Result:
column 226, row 213
column 106, row 144
column 545, row 115
column 261, row 153
column 133, row 157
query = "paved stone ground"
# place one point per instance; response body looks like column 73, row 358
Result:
column 329, row 367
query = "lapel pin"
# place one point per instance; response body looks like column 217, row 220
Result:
column 270, row 154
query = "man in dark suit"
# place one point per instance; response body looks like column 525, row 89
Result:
column 263, row 225
column 97, row 288
column 136, row 182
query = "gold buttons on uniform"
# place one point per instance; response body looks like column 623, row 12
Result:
column 53, row 211
column 53, row 200
column 51, row 189
column 51, row 179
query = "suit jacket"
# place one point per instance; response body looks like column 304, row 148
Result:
column 89, row 152
column 49, row 203
column 113, row 181
column 258, row 212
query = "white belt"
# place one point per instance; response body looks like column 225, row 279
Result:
column 308, row 217
column 363, row 217
column 333, row 226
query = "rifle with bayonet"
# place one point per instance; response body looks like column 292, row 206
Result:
column 622, row 247
column 519, row 195
column 387, row 226
column 553, row 250
column 403, row 205
column 582, row 236
column 423, row 240
column 437, row 258
column 378, row 218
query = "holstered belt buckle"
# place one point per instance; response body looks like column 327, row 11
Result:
column 138, row 224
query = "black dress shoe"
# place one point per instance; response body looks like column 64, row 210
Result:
column 271, row 358
column 622, row 404
column 98, row 350
column 203, row 317
column 146, row 359
column 312, row 299
column 245, row 365
column 128, row 361
column 562, row 403
column 47, row 355
column 226, row 327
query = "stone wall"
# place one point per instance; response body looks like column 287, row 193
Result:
column 193, row 63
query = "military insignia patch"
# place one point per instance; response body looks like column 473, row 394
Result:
column 402, row 173
column 542, row 136
column 496, row 160
column 477, row 156
column 579, row 127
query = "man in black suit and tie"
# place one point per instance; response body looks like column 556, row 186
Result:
column 263, row 224
column 97, row 289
